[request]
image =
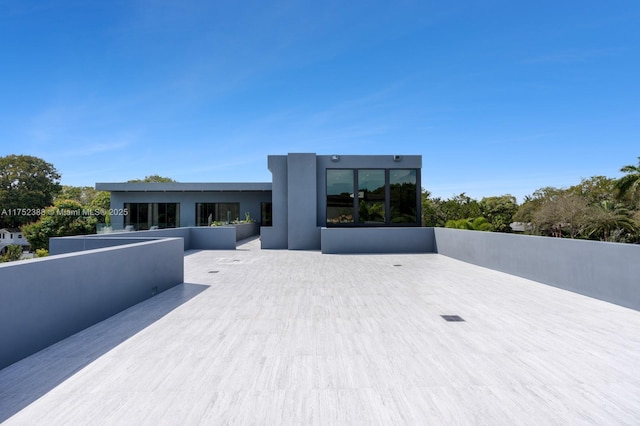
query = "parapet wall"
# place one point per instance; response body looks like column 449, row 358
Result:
column 194, row 238
column 48, row 299
column 605, row 271
column 377, row 240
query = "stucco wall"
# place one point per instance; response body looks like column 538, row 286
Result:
column 605, row 271
column 48, row 299
column 194, row 238
column 303, row 233
column 377, row 240
column 276, row 235
column 249, row 202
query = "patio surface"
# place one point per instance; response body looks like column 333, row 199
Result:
column 286, row 337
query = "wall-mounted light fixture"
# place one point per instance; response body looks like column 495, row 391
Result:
column 335, row 158
column 397, row 158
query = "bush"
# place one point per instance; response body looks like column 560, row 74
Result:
column 14, row 252
column 42, row 253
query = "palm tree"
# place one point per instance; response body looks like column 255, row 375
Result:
column 610, row 222
column 629, row 184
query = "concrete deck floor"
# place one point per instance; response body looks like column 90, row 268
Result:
column 282, row 337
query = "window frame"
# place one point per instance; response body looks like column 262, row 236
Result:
column 387, row 202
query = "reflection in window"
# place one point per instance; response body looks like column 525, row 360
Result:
column 207, row 213
column 340, row 187
column 403, row 195
column 146, row 215
column 371, row 196
column 384, row 197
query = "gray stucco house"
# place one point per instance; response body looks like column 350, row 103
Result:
column 312, row 201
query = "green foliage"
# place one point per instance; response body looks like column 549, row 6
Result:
column 477, row 224
column 42, row 253
column 26, row 182
column 152, row 179
column 13, row 253
column 597, row 208
column 611, row 222
column 82, row 194
column 499, row 211
column 629, row 185
column 460, row 207
column 65, row 218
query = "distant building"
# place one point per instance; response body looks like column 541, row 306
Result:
column 308, row 193
column 12, row 236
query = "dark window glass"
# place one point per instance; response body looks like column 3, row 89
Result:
column 371, row 196
column 143, row 216
column 340, row 202
column 403, row 196
column 265, row 214
column 228, row 212
column 206, row 213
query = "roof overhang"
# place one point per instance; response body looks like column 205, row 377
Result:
column 184, row 187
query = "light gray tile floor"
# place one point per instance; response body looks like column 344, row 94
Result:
column 285, row 337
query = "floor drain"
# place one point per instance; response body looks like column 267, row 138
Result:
column 397, row 265
column 213, row 272
column 452, row 318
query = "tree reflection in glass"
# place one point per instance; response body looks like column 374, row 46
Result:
column 371, row 196
column 403, row 195
column 340, row 189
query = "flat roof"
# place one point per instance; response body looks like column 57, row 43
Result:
column 297, row 337
column 183, row 186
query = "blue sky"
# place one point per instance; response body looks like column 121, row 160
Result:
column 498, row 96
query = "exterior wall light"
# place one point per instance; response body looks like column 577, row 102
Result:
column 335, row 158
column 397, row 158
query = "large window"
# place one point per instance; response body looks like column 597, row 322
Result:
column 206, row 213
column 384, row 197
column 143, row 216
column 340, row 186
column 371, row 196
column 402, row 189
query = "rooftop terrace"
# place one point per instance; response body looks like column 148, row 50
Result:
column 257, row 336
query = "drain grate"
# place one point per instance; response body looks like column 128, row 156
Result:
column 397, row 265
column 213, row 272
column 452, row 318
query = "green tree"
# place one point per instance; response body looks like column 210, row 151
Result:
column 13, row 253
column 596, row 189
column 611, row 222
column 499, row 211
column 28, row 183
column 151, row 179
column 431, row 210
column 82, row 194
column 63, row 219
column 532, row 203
column 630, row 183
column 477, row 224
column 561, row 212
column 460, row 207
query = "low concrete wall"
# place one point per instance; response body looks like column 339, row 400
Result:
column 377, row 240
column 48, row 299
column 212, row 238
column 63, row 245
column 246, row 230
column 194, row 238
column 605, row 271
